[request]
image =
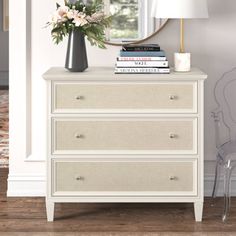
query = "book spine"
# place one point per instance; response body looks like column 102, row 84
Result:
column 142, row 63
column 141, row 58
column 142, row 54
column 142, row 70
column 142, row 49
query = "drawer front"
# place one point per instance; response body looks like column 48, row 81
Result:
column 154, row 97
column 124, row 136
column 163, row 177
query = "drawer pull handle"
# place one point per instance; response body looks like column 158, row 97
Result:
column 173, row 178
column 172, row 97
column 79, row 97
column 80, row 178
column 79, row 136
column 172, row 136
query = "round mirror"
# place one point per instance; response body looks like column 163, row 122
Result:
column 131, row 21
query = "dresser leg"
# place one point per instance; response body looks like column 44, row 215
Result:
column 50, row 210
column 198, row 211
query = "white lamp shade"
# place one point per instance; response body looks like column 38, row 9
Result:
column 177, row 9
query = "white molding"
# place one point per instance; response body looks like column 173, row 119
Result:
column 35, row 185
column 20, row 78
column 26, row 185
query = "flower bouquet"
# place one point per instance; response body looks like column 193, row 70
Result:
column 78, row 20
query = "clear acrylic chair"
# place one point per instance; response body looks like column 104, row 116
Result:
column 225, row 134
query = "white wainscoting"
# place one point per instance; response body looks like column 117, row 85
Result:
column 26, row 185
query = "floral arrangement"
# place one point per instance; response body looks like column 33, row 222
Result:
column 88, row 18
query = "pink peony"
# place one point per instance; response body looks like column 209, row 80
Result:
column 80, row 19
column 71, row 14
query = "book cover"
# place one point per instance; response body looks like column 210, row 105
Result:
column 160, row 53
column 142, row 63
column 142, row 47
column 142, row 70
column 141, row 58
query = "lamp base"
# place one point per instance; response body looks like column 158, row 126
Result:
column 182, row 62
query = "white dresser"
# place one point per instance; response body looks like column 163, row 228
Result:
column 124, row 138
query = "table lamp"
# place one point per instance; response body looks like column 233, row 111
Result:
column 180, row 9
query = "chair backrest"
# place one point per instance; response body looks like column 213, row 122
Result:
column 225, row 97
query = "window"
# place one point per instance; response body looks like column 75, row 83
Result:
column 131, row 19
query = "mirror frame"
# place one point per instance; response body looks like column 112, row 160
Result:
column 138, row 41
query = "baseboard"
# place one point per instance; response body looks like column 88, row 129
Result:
column 26, row 186
column 4, row 78
column 35, row 186
column 209, row 181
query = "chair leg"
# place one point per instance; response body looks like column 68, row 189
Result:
column 217, row 177
column 227, row 176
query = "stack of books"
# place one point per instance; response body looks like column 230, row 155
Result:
column 142, row 59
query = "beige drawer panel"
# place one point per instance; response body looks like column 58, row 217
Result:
column 172, row 97
column 124, row 176
column 99, row 136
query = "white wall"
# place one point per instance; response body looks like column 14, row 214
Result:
column 212, row 43
column 4, row 54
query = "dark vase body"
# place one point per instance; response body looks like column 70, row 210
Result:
column 76, row 57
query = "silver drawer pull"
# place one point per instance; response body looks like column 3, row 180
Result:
column 172, row 136
column 79, row 97
column 80, row 178
column 79, row 136
column 173, row 178
column 173, row 97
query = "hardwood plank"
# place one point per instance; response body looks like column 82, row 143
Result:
column 113, row 234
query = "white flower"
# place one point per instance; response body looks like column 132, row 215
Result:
column 80, row 19
column 71, row 14
column 55, row 18
column 60, row 15
column 63, row 10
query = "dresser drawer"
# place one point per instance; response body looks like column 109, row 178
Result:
column 124, row 136
column 162, row 177
column 174, row 97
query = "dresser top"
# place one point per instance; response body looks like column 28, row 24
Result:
column 107, row 74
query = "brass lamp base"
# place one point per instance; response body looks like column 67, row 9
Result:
column 182, row 60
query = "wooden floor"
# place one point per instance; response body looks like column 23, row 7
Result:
column 21, row 215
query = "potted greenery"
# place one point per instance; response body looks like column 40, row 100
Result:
column 78, row 20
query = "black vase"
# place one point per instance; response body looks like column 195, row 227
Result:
column 76, row 56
